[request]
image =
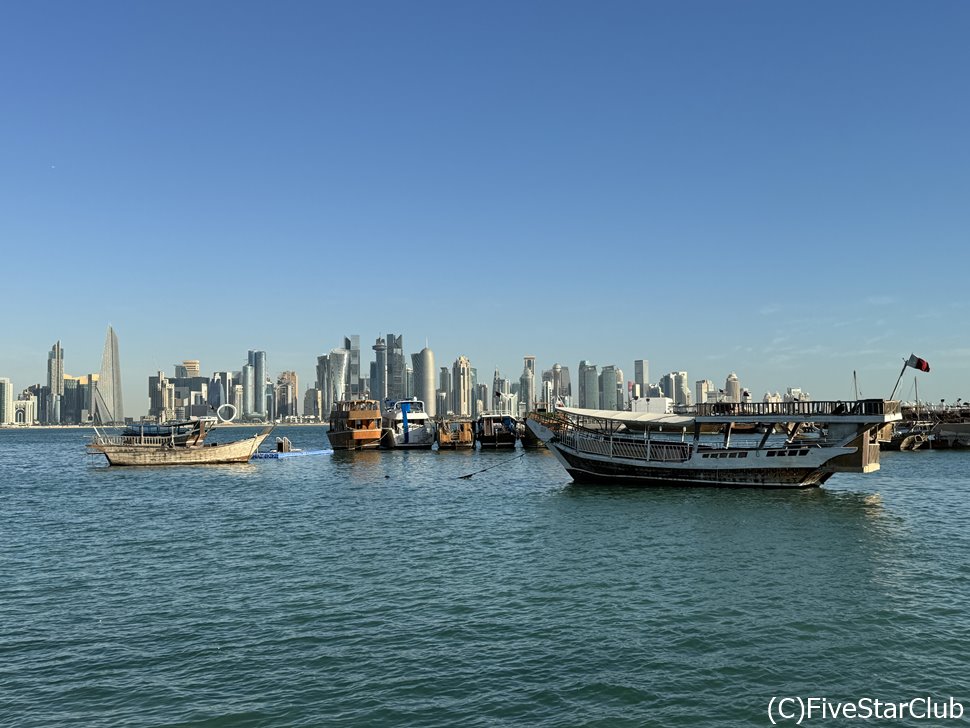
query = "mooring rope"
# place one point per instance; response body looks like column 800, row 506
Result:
column 466, row 477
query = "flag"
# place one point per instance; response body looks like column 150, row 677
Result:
column 917, row 363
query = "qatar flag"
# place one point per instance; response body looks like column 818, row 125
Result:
column 917, row 363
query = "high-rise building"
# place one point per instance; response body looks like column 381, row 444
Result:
column 379, row 372
column 561, row 386
column 620, row 390
column 287, row 395
column 55, row 384
column 444, row 389
column 339, row 362
column 732, row 388
column 109, row 406
column 396, row 366
column 527, row 385
column 249, row 390
column 461, row 382
column 312, row 406
column 607, row 387
column 257, row 360
column 424, row 372
column 681, row 388
column 667, row 386
column 352, row 344
column 641, row 375
column 589, row 397
column 702, row 390
column 6, row 402
column 161, row 396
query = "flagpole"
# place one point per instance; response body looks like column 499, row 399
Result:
column 901, row 372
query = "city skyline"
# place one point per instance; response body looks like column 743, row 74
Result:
column 664, row 378
column 761, row 188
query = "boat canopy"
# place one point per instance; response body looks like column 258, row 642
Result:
column 632, row 420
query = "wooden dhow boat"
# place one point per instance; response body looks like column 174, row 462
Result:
column 643, row 449
column 175, row 443
column 355, row 424
column 455, row 433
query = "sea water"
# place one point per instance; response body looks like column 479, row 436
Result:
column 381, row 588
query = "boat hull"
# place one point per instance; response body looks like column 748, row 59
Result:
column 587, row 469
column 354, row 439
column 239, row 451
column 417, row 438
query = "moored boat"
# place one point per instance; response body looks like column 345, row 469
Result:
column 642, row 449
column 177, row 443
column 455, row 433
column 355, row 424
column 405, row 424
column 496, row 431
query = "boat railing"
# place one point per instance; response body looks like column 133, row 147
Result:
column 822, row 408
column 625, row 448
column 155, row 440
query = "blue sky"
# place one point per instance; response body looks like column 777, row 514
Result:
column 776, row 189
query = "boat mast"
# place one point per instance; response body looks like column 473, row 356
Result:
column 855, row 385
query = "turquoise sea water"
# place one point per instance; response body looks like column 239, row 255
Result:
column 378, row 588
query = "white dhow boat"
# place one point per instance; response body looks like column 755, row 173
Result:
column 644, row 449
column 405, row 424
column 175, row 443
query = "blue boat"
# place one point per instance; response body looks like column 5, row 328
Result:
column 285, row 449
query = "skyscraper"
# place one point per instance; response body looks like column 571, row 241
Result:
column 461, row 383
column 287, row 394
column 352, row 344
column 249, row 389
column 108, row 406
column 424, row 372
column 732, row 388
column 6, row 401
column 379, row 373
column 641, row 376
column 257, row 359
column 444, row 391
column 589, row 397
column 681, row 388
column 607, row 387
column 396, row 379
column 527, row 385
column 55, row 384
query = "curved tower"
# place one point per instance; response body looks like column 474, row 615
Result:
column 424, row 371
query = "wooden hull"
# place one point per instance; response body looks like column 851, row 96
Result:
column 455, row 435
column 354, row 439
column 239, row 451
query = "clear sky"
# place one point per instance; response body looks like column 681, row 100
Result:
column 773, row 188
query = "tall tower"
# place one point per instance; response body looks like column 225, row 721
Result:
column 461, row 382
column 732, row 388
column 352, row 344
column 249, row 389
column 6, row 401
column 641, row 375
column 444, row 391
column 607, row 387
column 109, row 407
column 681, row 388
column 588, row 385
column 424, row 372
column 396, row 378
column 379, row 378
column 55, row 383
column 257, row 360
column 527, row 384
